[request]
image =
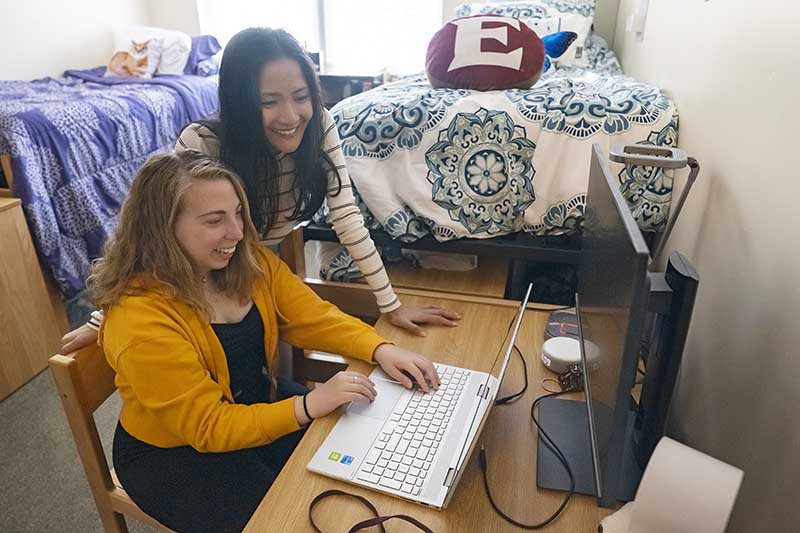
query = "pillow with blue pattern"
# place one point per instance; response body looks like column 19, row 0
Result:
column 546, row 17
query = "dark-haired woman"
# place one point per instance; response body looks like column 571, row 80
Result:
column 274, row 132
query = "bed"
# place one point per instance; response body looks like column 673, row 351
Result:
column 71, row 145
column 445, row 166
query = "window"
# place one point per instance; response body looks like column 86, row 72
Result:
column 355, row 37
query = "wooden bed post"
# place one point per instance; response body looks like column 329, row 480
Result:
column 5, row 163
column 292, row 251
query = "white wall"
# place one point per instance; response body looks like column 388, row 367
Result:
column 605, row 18
column 45, row 37
column 732, row 68
column 178, row 15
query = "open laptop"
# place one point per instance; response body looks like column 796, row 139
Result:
column 412, row 444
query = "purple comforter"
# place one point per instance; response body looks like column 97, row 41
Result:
column 77, row 141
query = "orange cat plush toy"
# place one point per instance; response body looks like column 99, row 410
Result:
column 140, row 62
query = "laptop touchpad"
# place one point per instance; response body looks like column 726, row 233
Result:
column 388, row 394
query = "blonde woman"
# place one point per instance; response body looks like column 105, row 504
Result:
column 194, row 309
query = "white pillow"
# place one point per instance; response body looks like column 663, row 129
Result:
column 175, row 48
column 545, row 17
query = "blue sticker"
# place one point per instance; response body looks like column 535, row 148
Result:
column 346, row 460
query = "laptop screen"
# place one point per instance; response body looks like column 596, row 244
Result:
column 489, row 393
column 509, row 347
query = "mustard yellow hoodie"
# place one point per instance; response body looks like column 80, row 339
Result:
column 173, row 376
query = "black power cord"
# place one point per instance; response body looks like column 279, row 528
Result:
column 550, row 444
column 545, row 438
column 517, row 395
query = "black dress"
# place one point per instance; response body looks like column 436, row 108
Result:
column 187, row 490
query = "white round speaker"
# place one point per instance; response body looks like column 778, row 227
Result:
column 560, row 353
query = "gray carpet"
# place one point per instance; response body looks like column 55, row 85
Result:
column 43, row 485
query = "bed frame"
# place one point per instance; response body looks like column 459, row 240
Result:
column 7, row 187
column 546, row 249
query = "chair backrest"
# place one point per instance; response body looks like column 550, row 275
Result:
column 84, row 381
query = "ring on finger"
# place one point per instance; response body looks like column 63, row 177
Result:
column 355, row 379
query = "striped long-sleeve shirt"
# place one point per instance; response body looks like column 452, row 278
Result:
column 344, row 214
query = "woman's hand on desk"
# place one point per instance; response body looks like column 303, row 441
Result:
column 409, row 318
column 400, row 364
column 341, row 388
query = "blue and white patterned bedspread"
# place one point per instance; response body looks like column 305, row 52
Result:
column 76, row 142
column 462, row 163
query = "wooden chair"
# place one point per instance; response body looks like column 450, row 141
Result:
column 84, row 381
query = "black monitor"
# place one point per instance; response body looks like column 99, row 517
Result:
column 613, row 287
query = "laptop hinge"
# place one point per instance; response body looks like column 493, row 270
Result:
column 448, row 479
column 483, row 391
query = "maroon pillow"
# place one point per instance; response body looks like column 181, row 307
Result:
column 484, row 52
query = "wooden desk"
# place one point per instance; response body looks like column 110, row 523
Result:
column 32, row 317
column 509, row 437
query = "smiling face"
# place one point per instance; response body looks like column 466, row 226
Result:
column 209, row 224
column 286, row 105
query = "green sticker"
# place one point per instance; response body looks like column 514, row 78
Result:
column 334, row 456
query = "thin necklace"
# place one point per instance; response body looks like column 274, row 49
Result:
column 204, row 278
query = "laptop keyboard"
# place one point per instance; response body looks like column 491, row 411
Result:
column 402, row 455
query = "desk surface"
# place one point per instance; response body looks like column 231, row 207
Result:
column 509, row 437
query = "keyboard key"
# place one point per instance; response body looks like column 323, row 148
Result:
column 371, row 478
column 404, row 468
column 383, row 463
column 392, row 466
column 403, row 446
column 367, row 468
column 407, row 488
column 391, row 483
column 399, row 476
column 423, row 453
column 407, row 460
column 414, row 471
column 417, row 463
column 416, row 491
column 372, row 456
column 377, row 471
column 393, row 441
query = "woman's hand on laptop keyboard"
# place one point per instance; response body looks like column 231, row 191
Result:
column 343, row 387
column 404, row 365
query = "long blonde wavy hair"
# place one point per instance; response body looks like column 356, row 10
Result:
column 144, row 247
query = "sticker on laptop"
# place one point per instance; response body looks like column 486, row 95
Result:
column 339, row 458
